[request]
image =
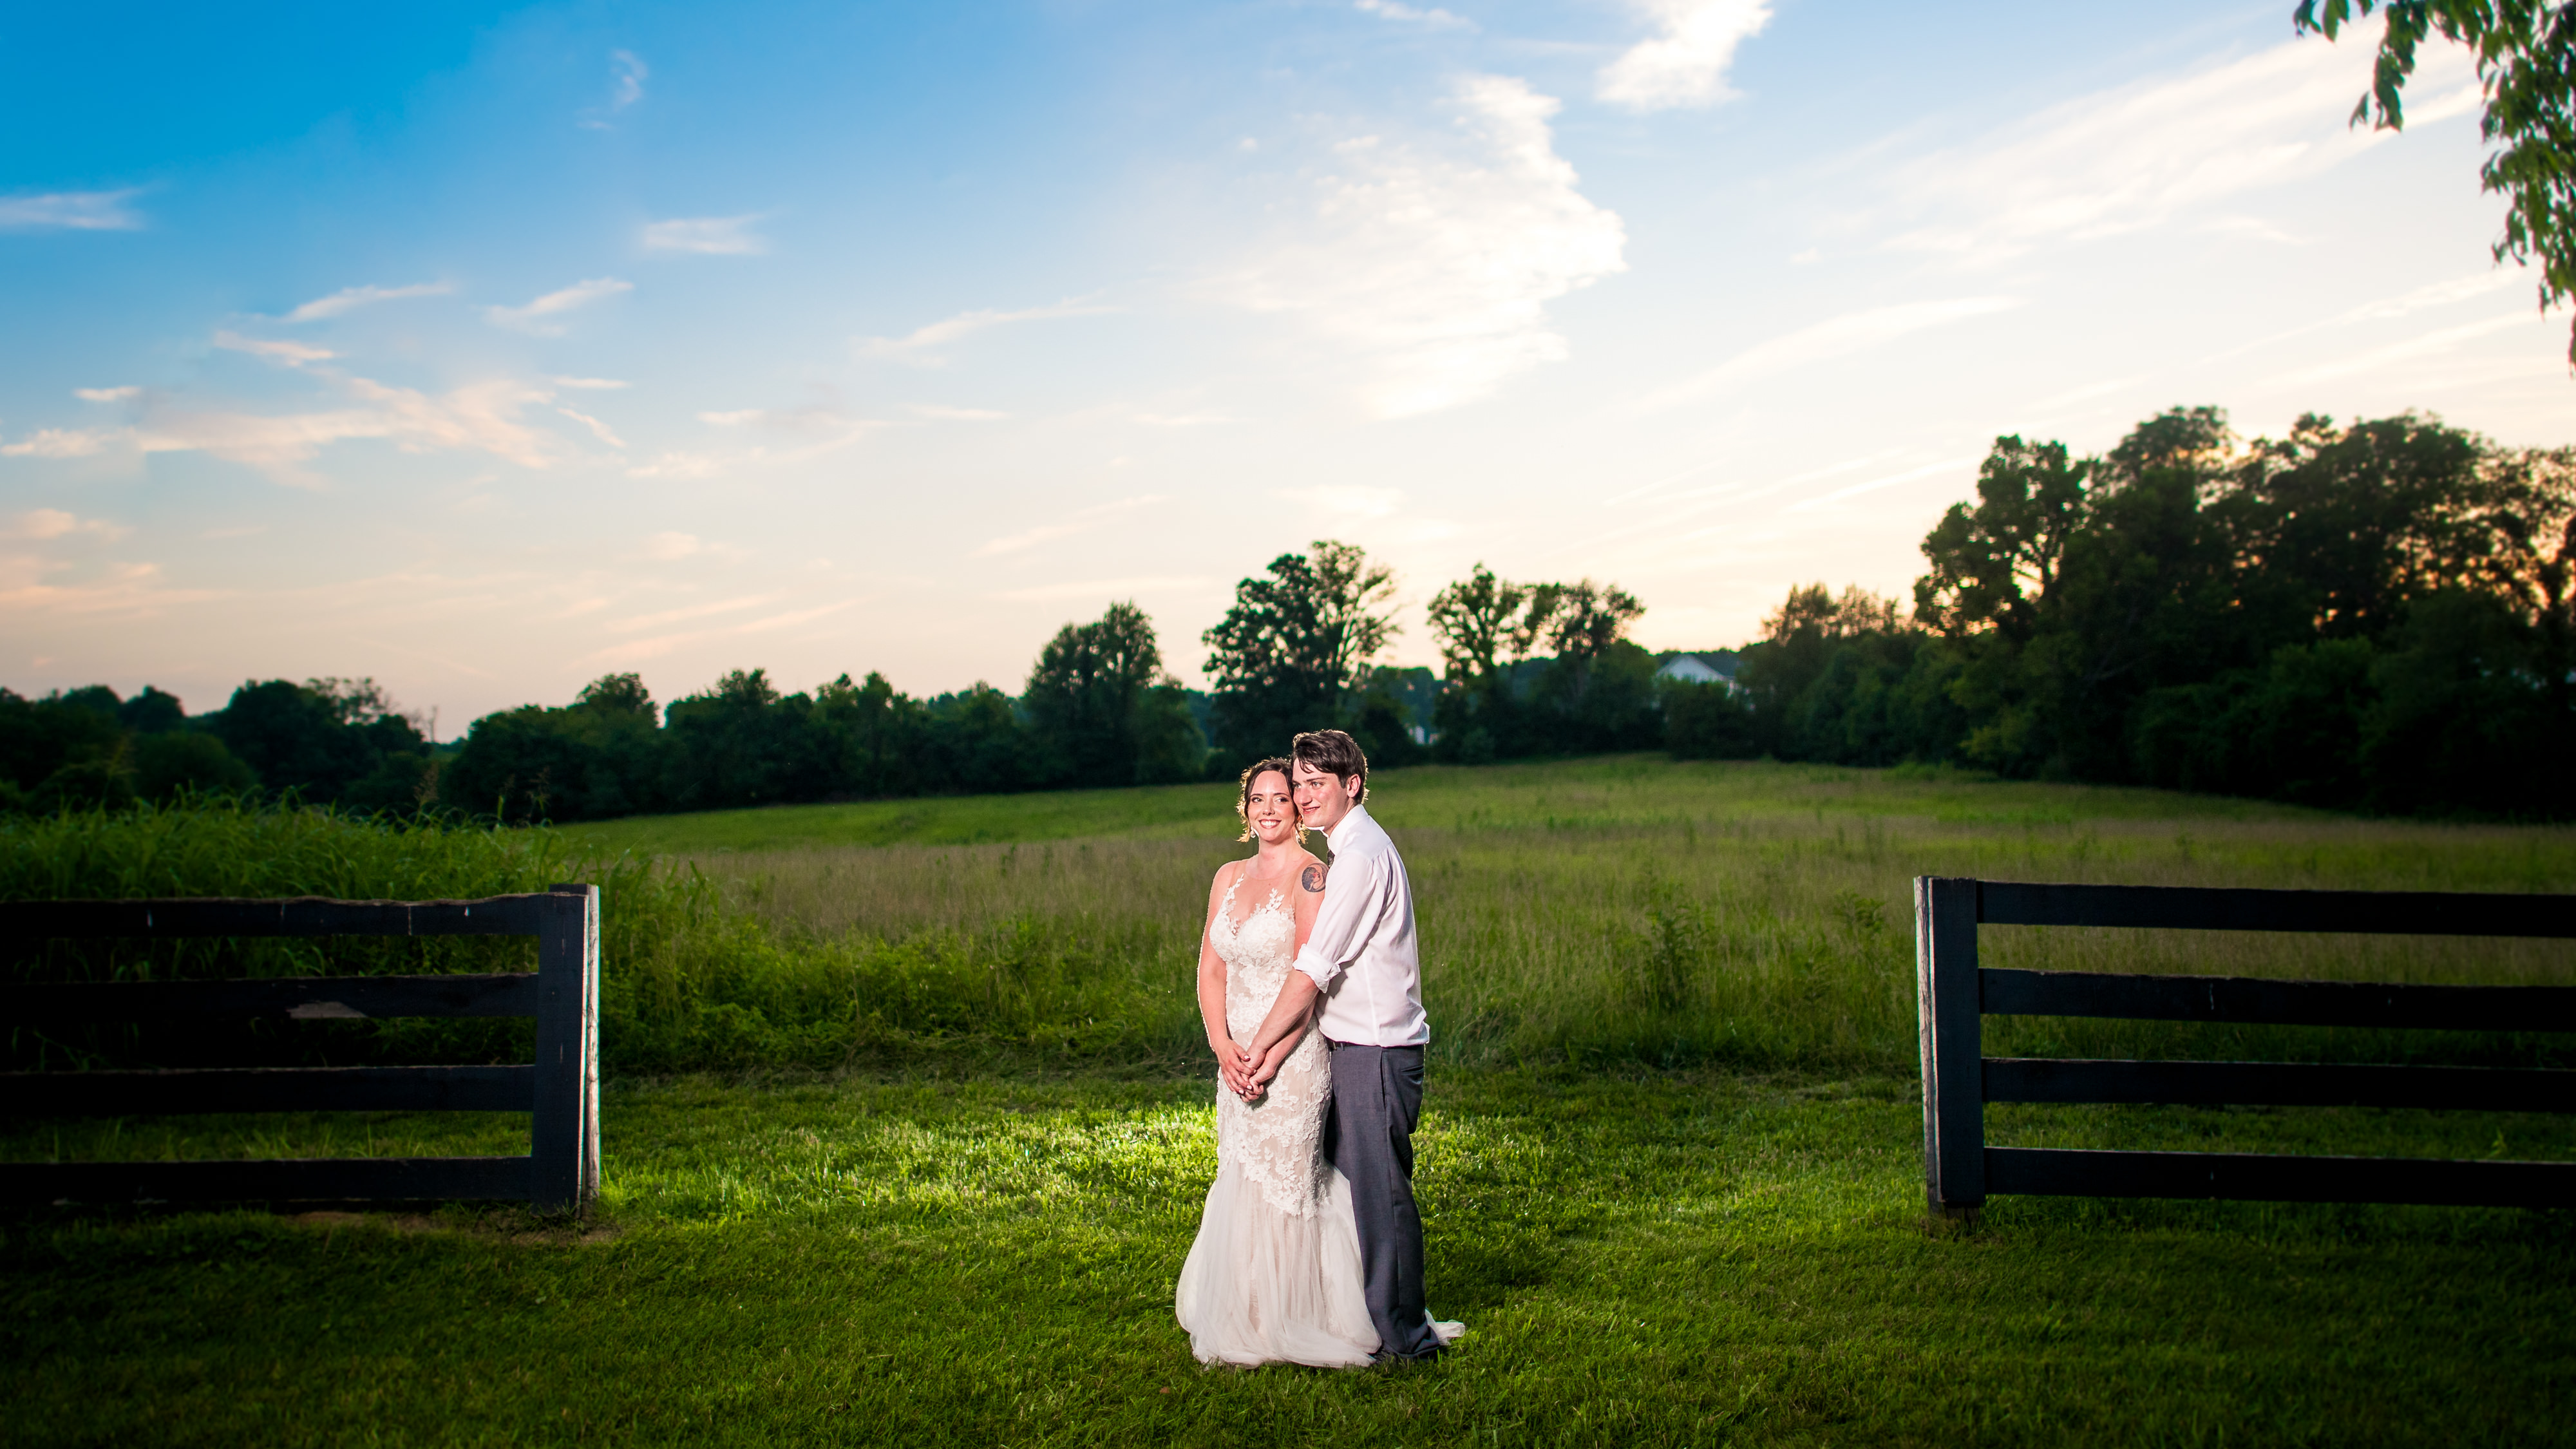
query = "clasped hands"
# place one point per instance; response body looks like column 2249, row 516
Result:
column 1247, row 1074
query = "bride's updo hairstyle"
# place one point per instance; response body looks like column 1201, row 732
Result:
column 1243, row 797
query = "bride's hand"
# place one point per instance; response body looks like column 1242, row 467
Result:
column 1229, row 1066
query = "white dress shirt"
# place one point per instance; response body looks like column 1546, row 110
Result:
column 1362, row 953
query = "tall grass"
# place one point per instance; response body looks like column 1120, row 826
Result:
column 1599, row 911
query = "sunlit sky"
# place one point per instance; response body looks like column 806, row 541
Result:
column 487, row 351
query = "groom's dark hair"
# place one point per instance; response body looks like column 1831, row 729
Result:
column 1334, row 753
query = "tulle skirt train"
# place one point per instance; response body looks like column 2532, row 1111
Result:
column 1266, row 1286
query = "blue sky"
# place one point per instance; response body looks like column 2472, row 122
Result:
column 487, row 351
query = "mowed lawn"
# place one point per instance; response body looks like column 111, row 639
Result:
column 922, row 1253
column 1656, row 1259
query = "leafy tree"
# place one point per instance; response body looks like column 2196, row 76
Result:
column 601, row 756
column 1293, row 645
column 1587, row 620
column 1476, row 620
column 335, row 740
column 2526, row 58
column 742, row 743
column 1104, row 709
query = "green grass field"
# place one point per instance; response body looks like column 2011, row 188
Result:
column 1670, row 1163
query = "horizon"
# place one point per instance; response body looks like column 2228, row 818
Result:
column 486, row 355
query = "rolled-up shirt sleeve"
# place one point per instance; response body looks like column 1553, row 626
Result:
column 1354, row 895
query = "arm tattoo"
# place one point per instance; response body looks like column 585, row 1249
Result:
column 1312, row 878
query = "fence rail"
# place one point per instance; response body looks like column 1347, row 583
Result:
column 559, row 1090
column 1955, row 994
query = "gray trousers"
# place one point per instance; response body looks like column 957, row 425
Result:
column 1377, row 1097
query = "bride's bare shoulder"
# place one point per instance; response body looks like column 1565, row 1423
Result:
column 1225, row 875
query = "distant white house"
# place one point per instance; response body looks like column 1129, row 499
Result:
column 1700, row 669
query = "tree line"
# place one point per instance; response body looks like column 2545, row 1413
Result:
column 2378, row 616
column 2373, row 616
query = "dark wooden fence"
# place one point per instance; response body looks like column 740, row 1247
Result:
column 560, row 1089
column 1959, row 1169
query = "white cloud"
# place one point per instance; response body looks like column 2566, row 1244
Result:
column 627, row 74
column 1184, row 420
column 715, row 236
column 480, row 417
column 2430, row 344
column 589, row 384
column 70, row 211
column 45, row 523
column 1686, row 64
column 2439, row 294
column 1105, row 590
column 59, row 443
column 286, row 354
column 1082, row 522
column 349, row 299
column 1340, row 502
column 1435, row 17
column 1438, row 267
column 691, row 611
column 554, row 304
column 1835, row 337
column 106, row 394
column 2143, row 154
column 671, row 545
column 916, row 348
column 643, row 649
column 597, row 428
column 939, row 414
column 126, row 588
column 1946, row 465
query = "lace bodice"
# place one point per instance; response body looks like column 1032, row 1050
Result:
column 1278, row 1139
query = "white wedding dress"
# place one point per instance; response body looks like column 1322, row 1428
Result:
column 1275, row 1274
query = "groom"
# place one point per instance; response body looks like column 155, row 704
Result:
column 1361, row 960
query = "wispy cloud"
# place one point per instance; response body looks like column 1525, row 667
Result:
column 1437, row 265
column 60, row 443
column 1946, row 465
column 70, row 211
column 1434, row 17
column 668, row 546
column 480, row 417
column 1082, row 522
column 133, row 589
column 2141, row 155
column 285, row 354
column 692, row 611
column 350, row 299
column 640, row 650
column 1337, row 501
column 530, row 318
column 940, row 414
column 2430, row 344
column 1105, row 590
column 107, row 394
column 714, row 236
column 589, row 384
column 627, row 73
column 1686, row 63
column 597, row 428
column 918, row 348
column 1842, row 336
column 49, row 523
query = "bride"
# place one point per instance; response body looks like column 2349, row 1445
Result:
column 1275, row 1274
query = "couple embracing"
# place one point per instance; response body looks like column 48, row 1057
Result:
column 1310, row 1249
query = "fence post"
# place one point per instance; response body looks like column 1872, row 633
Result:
column 564, row 1131
column 1945, row 969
